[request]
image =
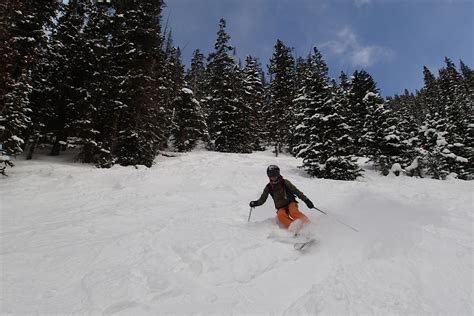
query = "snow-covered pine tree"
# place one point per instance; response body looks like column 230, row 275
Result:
column 468, row 78
column 311, row 83
column 63, row 84
column 189, row 123
column 409, row 115
column 468, row 82
column 266, row 110
column 341, row 164
column 244, row 138
column 196, row 75
column 324, row 137
column 409, row 108
column 196, row 78
column 282, row 95
column 458, row 117
column 432, row 152
column 137, row 44
column 345, row 83
column 173, row 83
column 96, row 123
column 224, row 100
column 301, row 73
column 351, row 119
column 298, row 138
column 431, row 131
column 442, row 112
column 173, row 71
column 382, row 140
column 161, row 72
column 253, row 97
column 22, row 39
column 15, row 118
column 442, row 135
column 310, row 102
column 361, row 84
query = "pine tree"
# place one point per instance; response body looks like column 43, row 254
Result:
column 266, row 111
column 224, row 101
column 341, row 164
column 188, row 120
column 409, row 114
column 457, row 118
column 95, row 126
column 299, row 138
column 22, row 38
column 15, row 118
column 137, row 41
column 374, row 124
column 312, row 94
column 345, row 82
column 189, row 123
column 361, row 84
column 64, row 84
column 468, row 83
column 468, row 77
column 253, row 97
column 173, row 71
column 282, row 95
column 431, row 132
column 442, row 145
column 196, row 75
column 301, row 73
column 324, row 137
column 383, row 140
column 173, row 84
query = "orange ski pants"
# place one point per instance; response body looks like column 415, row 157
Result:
column 287, row 215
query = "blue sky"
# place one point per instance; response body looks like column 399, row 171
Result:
column 391, row 39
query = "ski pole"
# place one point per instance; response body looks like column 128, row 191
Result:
column 250, row 214
column 340, row 222
column 317, row 209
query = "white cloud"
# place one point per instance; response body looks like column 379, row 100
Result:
column 366, row 56
column 348, row 47
column 360, row 3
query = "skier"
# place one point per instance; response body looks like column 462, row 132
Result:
column 283, row 193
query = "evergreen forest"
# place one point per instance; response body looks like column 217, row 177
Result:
column 105, row 79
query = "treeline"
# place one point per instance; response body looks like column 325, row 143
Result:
column 108, row 79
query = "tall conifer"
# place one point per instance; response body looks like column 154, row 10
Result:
column 224, row 99
column 253, row 97
column 22, row 40
column 282, row 95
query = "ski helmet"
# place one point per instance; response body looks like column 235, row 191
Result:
column 273, row 171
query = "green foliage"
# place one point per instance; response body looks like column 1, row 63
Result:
column 227, row 118
column 282, row 94
column 323, row 138
column 189, row 123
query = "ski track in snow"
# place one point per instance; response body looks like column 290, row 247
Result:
column 174, row 239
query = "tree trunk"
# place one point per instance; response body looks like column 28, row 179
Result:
column 31, row 149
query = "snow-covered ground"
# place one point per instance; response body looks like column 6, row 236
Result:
column 174, row 239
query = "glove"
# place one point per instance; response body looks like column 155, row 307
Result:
column 309, row 204
column 253, row 203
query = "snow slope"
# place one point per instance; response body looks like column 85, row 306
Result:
column 174, row 239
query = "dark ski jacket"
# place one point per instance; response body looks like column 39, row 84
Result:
column 283, row 193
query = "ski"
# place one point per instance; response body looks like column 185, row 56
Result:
column 302, row 245
column 298, row 241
